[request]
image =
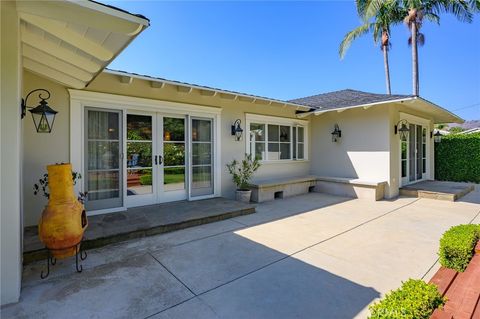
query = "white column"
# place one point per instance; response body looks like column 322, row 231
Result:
column 10, row 154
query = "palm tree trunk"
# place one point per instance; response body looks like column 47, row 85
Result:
column 387, row 69
column 414, row 59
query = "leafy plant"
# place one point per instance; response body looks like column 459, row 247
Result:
column 457, row 246
column 415, row 299
column 146, row 180
column 457, row 158
column 42, row 186
column 242, row 172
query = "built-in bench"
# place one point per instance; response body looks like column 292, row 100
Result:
column 270, row 189
column 351, row 187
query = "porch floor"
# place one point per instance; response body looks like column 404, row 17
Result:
column 143, row 221
column 450, row 191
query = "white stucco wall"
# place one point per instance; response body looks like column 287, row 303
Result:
column 10, row 159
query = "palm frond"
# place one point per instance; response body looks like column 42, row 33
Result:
column 351, row 36
column 432, row 17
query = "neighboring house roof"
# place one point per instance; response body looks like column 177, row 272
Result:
column 346, row 98
column 213, row 91
column 471, row 131
column 71, row 42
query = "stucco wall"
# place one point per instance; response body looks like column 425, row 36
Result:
column 363, row 150
column 10, row 158
column 43, row 149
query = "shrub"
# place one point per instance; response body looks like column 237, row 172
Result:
column 243, row 171
column 146, row 179
column 415, row 299
column 457, row 158
column 457, row 246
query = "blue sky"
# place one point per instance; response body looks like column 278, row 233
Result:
column 287, row 50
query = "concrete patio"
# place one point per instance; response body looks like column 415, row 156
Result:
column 310, row 256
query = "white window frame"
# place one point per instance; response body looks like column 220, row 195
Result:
column 80, row 99
column 274, row 120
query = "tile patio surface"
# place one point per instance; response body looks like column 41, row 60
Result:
column 310, row 256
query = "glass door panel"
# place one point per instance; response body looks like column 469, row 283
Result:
column 103, row 178
column 202, row 157
column 173, row 154
column 140, row 175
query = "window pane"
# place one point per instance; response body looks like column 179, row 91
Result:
column 284, row 133
column 424, row 166
column 284, row 150
column 103, row 155
column 404, row 168
column 173, row 129
column 173, row 154
column 404, row 149
column 260, row 151
column 103, row 125
column 301, row 133
column 424, row 150
column 294, row 137
column 139, row 127
column 103, row 185
column 273, row 151
column 273, row 133
column 139, row 182
column 257, row 132
column 300, row 151
column 174, row 178
column 139, row 154
column 201, row 176
column 201, row 153
column 201, row 130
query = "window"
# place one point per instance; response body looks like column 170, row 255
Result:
column 270, row 141
column 424, row 150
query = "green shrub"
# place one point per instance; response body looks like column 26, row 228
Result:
column 457, row 158
column 146, row 179
column 414, row 300
column 457, row 246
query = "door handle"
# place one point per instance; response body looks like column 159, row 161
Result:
column 160, row 159
column 156, row 162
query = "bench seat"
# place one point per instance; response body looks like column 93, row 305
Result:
column 269, row 189
column 351, row 187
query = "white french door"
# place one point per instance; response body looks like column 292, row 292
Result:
column 413, row 155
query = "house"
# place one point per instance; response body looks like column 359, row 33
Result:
column 139, row 140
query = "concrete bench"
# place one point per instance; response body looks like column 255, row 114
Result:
column 270, row 189
column 351, row 187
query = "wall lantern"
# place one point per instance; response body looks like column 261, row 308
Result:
column 336, row 134
column 237, row 130
column 437, row 137
column 43, row 115
column 402, row 128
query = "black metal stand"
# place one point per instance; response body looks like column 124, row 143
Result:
column 52, row 260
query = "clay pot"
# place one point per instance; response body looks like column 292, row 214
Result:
column 63, row 220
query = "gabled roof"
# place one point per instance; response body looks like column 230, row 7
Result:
column 346, row 98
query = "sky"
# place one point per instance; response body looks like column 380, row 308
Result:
column 287, row 50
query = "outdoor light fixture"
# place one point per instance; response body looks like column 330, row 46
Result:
column 237, row 131
column 437, row 137
column 402, row 129
column 43, row 115
column 336, row 134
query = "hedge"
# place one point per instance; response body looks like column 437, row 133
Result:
column 457, row 158
column 457, row 246
column 415, row 299
column 146, row 179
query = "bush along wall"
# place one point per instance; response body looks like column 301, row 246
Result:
column 457, row 246
column 415, row 299
column 457, row 158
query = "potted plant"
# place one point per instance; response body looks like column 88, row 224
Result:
column 241, row 173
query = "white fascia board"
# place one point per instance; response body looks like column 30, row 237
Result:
column 455, row 117
column 368, row 105
column 199, row 87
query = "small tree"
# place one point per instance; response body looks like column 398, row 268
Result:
column 243, row 171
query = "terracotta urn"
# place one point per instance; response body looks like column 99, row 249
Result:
column 63, row 220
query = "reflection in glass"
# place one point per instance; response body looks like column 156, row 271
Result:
column 139, row 127
column 201, row 131
column 202, row 149
column 201, row 153
column 273, row 151
column 174, row 154
column 257, row 132
column 301, row 154
column 139, row 182
column 103, row 185
column 201, row 177
column 173, row 129
column 284, row 133
column 139, row 154
column 273, row 133
column 284, row 150
column 174, row 178
column 102, row 155
column 301, row 134
column 103, row 125
column 260, row 151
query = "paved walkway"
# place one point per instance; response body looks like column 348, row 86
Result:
column 311, row 256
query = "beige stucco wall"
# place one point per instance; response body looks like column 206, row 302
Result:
column 10, row 158
column 43, row 149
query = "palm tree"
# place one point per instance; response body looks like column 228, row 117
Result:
column 418, row 10
column 388, row 13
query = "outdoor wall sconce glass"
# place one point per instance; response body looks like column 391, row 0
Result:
column 237, row 130
column 43, row 115
column 437, row 137
column 336, row 134
column 402, row 128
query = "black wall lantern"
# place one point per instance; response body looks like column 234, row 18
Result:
column 437, row 137
column 237, row 130
column 43, row 115
column 402, row 128
column 336, row 134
